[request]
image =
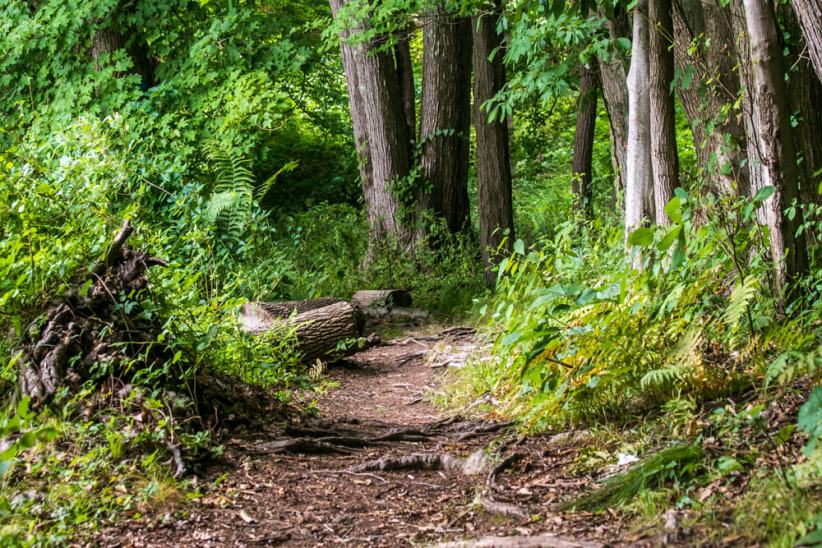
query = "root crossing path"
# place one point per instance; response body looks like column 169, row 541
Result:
column 379, row 466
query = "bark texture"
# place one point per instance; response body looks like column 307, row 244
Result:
column 704, row 44
column 445, row 116
column 639, row 201
column 584, row 139
column 381, row 132
column 405, row 75
column 493, row 162
column 318, row 330
column 774, row 141
column 615, row 96
column 809, row 14
column 664, row 157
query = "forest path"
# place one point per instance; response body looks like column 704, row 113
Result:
column 379, row 466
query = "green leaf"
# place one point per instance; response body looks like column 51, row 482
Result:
column 674, row 209
column 642, row 237
column 810, row 419
column 764, row 193
column 519, row 247
column 669, row 238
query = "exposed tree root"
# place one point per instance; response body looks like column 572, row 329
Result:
column 501, row 508
column 425, row 461
column 301, row 445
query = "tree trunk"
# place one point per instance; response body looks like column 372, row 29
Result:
column 805, row 95
column 704, row 44
column 639, row 202
column 809, row 13
column 774, row 141
column 664, row 156
column 584, row 140
column 615, row 97
column 405, row 75
column 495, row 205
column 445, row 116
column 108, row 39
column 381, row 134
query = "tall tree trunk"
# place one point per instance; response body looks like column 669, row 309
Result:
column 805, row 96
column 445, row 116
column 584, row 139
column 704, row 44
column 405, row 75
column 775, row 145
column 664, row 156
column 615, row 97
column 639, row 201
column 381, row 135
column 493, row 163
column 109, row 38
column 809, row 13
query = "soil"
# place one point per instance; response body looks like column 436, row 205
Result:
column 317, row 480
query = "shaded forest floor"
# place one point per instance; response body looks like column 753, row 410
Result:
column 377, row 465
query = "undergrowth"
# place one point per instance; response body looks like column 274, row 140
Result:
column 584, row 335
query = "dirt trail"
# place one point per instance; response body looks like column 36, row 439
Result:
column 380, row 466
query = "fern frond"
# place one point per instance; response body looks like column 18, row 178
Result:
column 741, row 298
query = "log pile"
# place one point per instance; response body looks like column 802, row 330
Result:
column 88, row 327
column 322, row 323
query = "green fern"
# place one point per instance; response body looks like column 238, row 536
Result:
column 232, row 197
column 679, row 363
column 739, row 304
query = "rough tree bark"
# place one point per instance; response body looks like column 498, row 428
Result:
column 615, row 96
column 719, row 137
column 664, row 157
column 493, row 162
column 639, row 202
column 809, row 13
column 774, row 141
column 405, row 76
column 318, row 329
column 381, row 131
column 445, row 116
column 584, row 139
column 805, row 97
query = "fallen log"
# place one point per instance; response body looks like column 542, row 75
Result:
column 388, row 298
column 285, row 309
column 318, row 330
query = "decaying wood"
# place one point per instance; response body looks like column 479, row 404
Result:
column 87, row 327
column 284, row 309
column 388, row 298
column 318, row 330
